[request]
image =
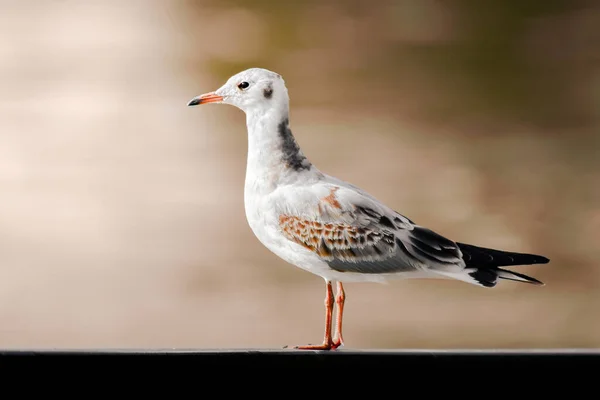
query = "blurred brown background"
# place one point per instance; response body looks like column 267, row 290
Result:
column 121, row 209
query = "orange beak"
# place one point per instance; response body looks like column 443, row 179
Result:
column 205, row 98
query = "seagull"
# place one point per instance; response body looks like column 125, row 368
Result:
column 331, row 228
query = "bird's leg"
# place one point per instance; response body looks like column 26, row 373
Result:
column 340, row 298
column 327, row 341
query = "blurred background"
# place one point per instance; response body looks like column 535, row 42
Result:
column 121, row 210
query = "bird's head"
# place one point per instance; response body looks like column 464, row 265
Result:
column 255, row 89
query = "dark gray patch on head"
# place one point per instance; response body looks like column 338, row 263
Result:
column 268, row 92
column 291, row 153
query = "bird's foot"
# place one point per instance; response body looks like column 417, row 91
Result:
column 337, row 342
column 324, row 346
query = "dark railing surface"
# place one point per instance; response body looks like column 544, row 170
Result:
column 344, row 352
column 397, row 372
column 509, row 358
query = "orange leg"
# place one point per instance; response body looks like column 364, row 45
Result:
column 340, row 299
column 327, row 341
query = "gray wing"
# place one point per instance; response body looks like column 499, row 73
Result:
column 371, row 239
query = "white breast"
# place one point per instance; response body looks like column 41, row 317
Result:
column 262, row 213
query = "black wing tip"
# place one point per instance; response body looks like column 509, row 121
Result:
column 481, row 256
column 530, row 259
column 534, row 259
column 518, row 277
column 542, row 259
column 489, row 277
column 535, row 282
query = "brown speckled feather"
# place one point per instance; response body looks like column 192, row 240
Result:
column 338, row 240
column 354, row 235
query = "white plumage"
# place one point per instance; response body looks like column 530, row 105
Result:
column 330, row 227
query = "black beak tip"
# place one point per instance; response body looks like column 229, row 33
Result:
column 194, row 102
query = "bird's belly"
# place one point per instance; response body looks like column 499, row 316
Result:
column 263, row 222
column 268, row 233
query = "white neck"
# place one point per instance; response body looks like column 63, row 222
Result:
column 274, row 157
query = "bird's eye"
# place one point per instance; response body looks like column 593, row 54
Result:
column 243, row 85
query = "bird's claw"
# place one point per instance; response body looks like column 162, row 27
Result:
column 337, row 343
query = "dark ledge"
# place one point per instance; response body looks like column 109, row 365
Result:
column 343, row 357
column 462, row 371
